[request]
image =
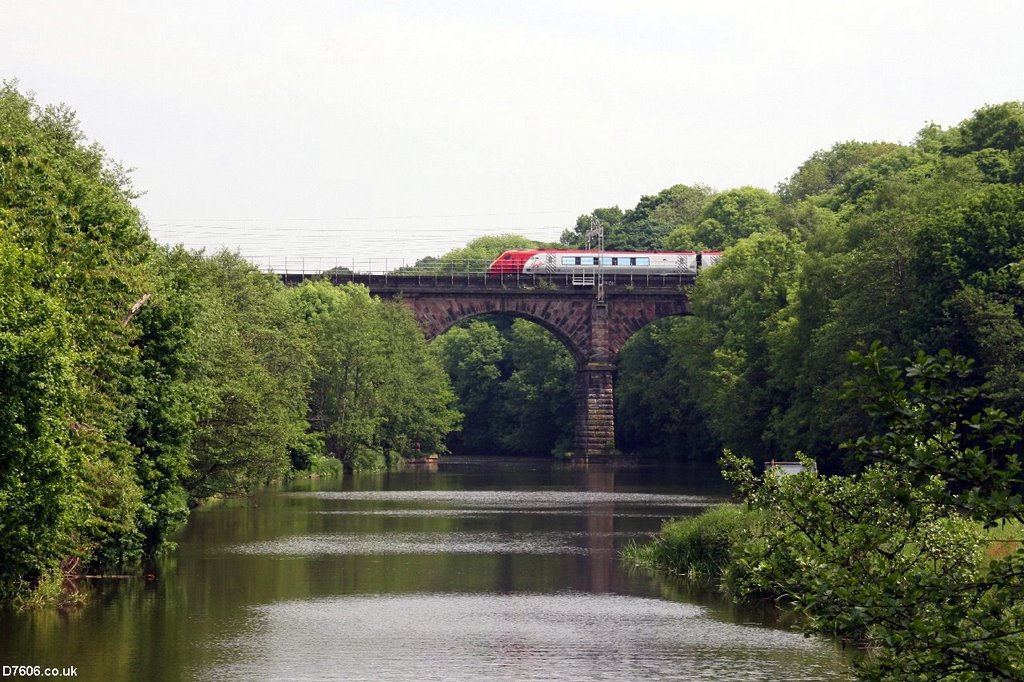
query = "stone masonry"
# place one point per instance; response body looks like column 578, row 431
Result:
column 594, row 332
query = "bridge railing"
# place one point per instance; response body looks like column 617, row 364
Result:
column 437, row 280
column 435, row 272
column 431, row 272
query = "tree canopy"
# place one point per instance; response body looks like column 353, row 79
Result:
column 138, row 380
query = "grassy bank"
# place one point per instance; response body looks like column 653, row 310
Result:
column 702, row 547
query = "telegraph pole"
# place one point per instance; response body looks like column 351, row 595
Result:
column 597, row 230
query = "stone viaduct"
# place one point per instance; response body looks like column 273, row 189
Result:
column 593, row 322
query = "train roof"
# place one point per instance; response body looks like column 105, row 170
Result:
column 594, row 252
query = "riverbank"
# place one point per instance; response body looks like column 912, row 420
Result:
column 729, row 547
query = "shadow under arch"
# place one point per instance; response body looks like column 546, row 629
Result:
column 515, row 378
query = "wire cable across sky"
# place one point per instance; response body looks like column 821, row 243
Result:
column 401, row 239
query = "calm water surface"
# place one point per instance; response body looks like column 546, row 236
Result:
column 475, row 570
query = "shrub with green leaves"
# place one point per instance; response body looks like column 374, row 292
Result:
column 701, row 546
column 893, row 556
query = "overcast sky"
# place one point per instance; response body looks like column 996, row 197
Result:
column 400, row 129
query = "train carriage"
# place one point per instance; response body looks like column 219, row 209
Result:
column 574, row 262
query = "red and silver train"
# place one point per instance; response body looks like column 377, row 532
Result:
column 568, row 262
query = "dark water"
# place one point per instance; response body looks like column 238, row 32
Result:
column 476, row 570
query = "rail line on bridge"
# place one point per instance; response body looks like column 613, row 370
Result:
column 584, row 283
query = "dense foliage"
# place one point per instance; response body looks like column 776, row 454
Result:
column 514, row 382
column 378, row 394
column 893, row 556
column 917, row 246
column 137, row 381
column 916, row 557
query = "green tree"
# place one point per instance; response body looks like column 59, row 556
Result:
column 891, row 556
column 165, row 414
column 515, row 384
column 726, row 218
column 646, row 227
column 738, row 304
column 40, row 499
column 539, row 395
column 610, row 218
column 656, row 409
column 64, row 201
column 378, row 391
column 857, row 282
column 827, row 169
column 473, row 356
column 997, row 126
column 250, row 372
column 970, row 297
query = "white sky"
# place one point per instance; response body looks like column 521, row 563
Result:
column 400, row 129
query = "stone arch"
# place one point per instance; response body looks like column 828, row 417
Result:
column 593, row 331
column 566, row 341
column 630, row 316
column 437, row 317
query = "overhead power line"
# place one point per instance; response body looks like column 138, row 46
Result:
column 423, row 216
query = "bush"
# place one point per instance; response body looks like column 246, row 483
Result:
column 700, row 547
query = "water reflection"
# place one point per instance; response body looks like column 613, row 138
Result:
column 421, row 543
column 599, row 483
column 516, row 499
column 482, row 569
column 567, row 636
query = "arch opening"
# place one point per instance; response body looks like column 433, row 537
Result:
column 435, row 330
column 515, row 382
column 656, row 410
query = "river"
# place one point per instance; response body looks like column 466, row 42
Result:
column 475, row 569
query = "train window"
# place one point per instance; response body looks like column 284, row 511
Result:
column 594, row 260
column 643, row 261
